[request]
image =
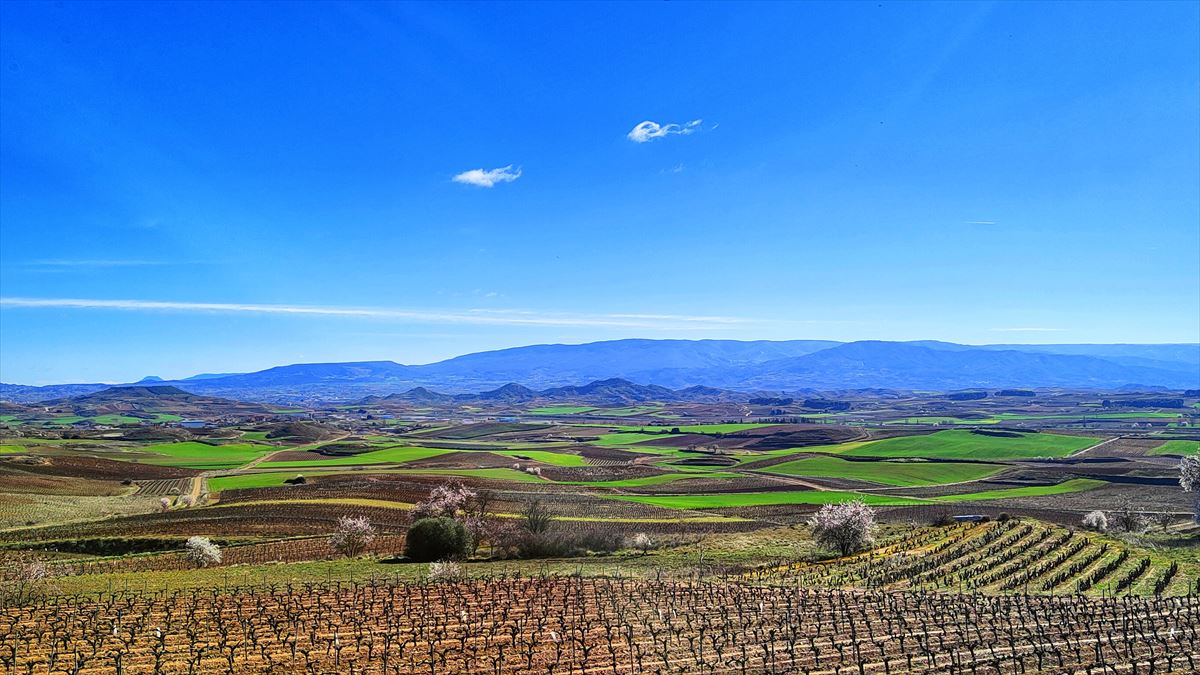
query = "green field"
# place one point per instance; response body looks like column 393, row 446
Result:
column 942, row 420
column 736, row 499
column 544, row 456
column 396, row 455
column 623, row 439
column 962, row 444
column 1073, row 485
column 697, row 428
column 560, row 410
column 631, row 411
column 651, row 480
column 195, row 455
column 1005, row 417
column 1177, row 447
column 116, row 419
column 903, row 474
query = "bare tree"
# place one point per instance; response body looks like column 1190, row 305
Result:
column 1130, row 519
column 847, row 527
column 535, row 516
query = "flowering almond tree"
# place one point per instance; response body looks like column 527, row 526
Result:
column 352, row 536
column 201, row 552
column 1189, row 479
column 846, row 528
column 446, row 501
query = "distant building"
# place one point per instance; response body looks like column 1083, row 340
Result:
column 192, row 424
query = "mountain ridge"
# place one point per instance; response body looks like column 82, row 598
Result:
column 759, row 365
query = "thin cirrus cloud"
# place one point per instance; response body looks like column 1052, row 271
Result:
column 1029, row 329
column 648, row 131
column 470, row 316
column 489, row 177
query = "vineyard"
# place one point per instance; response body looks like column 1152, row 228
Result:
column 574, row 624
column 998, row 557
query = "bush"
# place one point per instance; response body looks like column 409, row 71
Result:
column 445, row 571
column 942, row 519
column 298, row 480
column 431, row 539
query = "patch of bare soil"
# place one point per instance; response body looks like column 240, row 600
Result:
column 100, row 469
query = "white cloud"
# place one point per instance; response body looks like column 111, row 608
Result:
column 482, row 178
column 510, row 317
column 980, row 222
column 648, row 131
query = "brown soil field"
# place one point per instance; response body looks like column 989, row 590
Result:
column 98, row 468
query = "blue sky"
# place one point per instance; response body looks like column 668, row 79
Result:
column 203, row 187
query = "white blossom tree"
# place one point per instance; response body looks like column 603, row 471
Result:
column 641, row 541
column 447, row 501
column 1189, row 479
column 846, row 528
column 201, row 552
column 1096, row 520
column 352, row 536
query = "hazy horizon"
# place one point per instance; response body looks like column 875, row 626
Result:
column 217, row 369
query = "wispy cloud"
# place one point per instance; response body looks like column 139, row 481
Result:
column 505, row 317
column 980, row 222
column 648, row 131
column 1028, row 329
column 59, row 263
column 488, row 178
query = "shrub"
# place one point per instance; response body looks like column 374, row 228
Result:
column 298, row 480
column 352, row 536
column 441, row 538
column 164, row 504
column 566, row 544
column 201, row 552
column 847, row 527
column 941, row 519
column 444, row 571
column 1096, row 520
column 535, row 517
column 185, row 501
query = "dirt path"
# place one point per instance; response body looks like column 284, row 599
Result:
column 1097, row 446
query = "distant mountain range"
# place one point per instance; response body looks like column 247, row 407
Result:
column 140, row 399
column 791, row 366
